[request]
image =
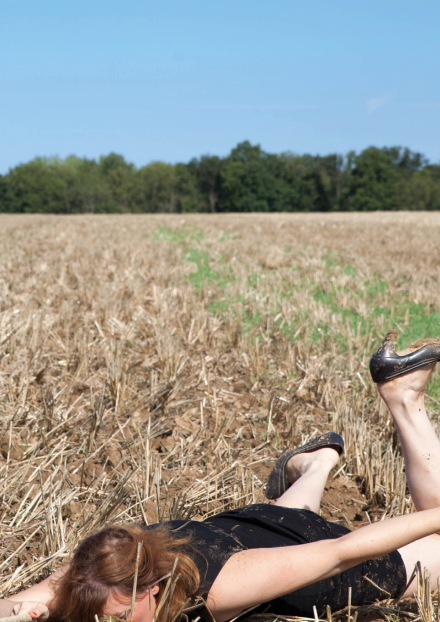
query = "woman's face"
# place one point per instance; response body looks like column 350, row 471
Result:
column 144, row 607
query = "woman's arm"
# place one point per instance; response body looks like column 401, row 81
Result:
column 259, row 575
column 36, row 599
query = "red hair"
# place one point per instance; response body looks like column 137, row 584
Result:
column 104, row 564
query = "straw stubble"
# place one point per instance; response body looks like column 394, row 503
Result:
column 144, row 378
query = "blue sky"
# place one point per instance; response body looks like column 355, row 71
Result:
column 172, row 80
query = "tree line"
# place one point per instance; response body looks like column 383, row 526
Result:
column 247, row 180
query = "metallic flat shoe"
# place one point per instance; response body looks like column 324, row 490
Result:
column 278, row 483
column 386, row 364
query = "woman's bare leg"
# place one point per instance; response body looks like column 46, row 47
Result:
column 308, row 474
column 404, row 397
column 427, row 552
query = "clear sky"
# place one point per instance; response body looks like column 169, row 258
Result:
column 171, row 80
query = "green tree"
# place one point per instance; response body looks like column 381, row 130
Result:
column 113, row 161
column 87, row 189
column 207, row 173
column 156, row 188
column 320, row 181
column 373, row 182
column 120, row 181
column 6, row 203
column 35, row 187
column 418, row 192
column 189, row 198
column 405, row 160
column 248, row 179
column 254, row 181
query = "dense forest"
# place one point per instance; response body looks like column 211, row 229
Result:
column 247, row 180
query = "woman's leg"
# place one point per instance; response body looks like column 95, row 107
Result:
column 404, row 397
column 427, row 552
column 308, row 475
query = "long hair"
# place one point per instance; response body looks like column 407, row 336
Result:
column 103, row 565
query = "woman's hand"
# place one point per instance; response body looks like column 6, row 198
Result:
column 38, row 611
column 36, row 600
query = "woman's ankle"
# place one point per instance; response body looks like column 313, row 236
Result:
column 408, row 401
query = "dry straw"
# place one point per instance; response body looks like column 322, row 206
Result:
column 154, row 367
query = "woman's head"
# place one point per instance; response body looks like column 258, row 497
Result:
column 101, row 573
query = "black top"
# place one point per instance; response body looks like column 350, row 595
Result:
column 265, row 526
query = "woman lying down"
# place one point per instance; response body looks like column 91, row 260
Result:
column 282, row 558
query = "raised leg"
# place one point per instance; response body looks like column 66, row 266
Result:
column 308, row 475
column 405, row 398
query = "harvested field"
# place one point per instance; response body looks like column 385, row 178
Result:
column 154, row 367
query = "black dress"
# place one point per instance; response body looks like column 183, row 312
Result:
column 265, row 526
